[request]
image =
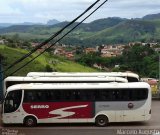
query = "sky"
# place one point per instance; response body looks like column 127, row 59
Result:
column 40, row 11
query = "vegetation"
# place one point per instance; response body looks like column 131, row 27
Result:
column 16, row 42
column 139, row 59
column 43, row 63
column 102, row 31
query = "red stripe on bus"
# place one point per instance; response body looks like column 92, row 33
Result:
column 60, row 110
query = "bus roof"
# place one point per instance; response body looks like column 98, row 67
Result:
column 57, row 79
column 49, row 74
column 56, row 86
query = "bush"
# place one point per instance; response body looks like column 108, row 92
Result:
column 48, row 68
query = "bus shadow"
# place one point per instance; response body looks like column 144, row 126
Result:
column 119, row 124
column 128, row 124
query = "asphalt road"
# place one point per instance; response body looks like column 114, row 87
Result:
column 151, row 127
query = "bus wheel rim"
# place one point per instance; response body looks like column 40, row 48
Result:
column 101, row 122
column 30, row 122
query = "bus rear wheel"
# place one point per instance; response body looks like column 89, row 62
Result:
column 101, row 121
column 30, row 121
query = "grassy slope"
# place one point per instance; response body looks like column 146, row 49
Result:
column 40, row 63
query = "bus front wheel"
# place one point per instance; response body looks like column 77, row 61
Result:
column 101, row 121
column 30, row 121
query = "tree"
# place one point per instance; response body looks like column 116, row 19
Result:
column 48, row 68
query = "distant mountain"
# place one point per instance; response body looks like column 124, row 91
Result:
column 50, row 22
column 3, row 25
column 94, row 26
column 102, row 31
column 128, row 31
column 60, row 25
column 29, row 23
column 152, row 17
column 21, row 28
column 102, row 24
column 53, row 22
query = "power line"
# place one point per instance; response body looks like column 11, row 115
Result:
column 49, row 39
column 59, row 39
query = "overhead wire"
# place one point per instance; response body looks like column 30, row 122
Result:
column 49, row 39
column 58, row 39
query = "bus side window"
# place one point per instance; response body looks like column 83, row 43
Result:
column 77, row 95
column 90, row 95
column 136, row 94
column 132, row 79
column 29, row 96
column 40, row 96
column 144, row 93
column 58, row 95
column 52, row 95
column 105, row 95
column 125, row 95
column 117, row 95
column 97, row 95
column 66, row 95
column 93, row 95
column 83, row 96
column 49, row 95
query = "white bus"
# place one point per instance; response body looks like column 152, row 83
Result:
column 12, row 80
column 98, row 103
column 131, row 77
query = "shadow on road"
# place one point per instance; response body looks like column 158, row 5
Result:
column 126, row 124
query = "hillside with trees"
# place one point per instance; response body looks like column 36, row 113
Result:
column 142, row 60
column 110, row 30
column 44, row 63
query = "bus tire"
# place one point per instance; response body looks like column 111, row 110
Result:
column 101, row 121
column 30, row 121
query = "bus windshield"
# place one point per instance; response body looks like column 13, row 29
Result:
column 12, row 101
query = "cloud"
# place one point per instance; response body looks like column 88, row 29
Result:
column 43, row 10
column 131, row 9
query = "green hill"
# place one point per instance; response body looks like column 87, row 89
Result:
column 128, row 31
column 102, row 31
column 94, row 26
column 152, row 17
column 40, row 64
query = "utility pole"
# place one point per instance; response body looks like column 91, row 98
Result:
column 159, row 78
column 1, row 79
